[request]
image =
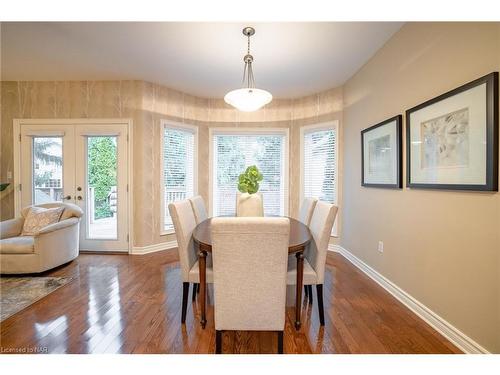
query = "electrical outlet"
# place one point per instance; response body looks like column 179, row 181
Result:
column 380, row 247
column 9, row 175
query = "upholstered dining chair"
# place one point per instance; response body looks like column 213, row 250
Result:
column 306, row 210
column 199, row 209
column 184, row 224
column 249, row 267
column 321, row 225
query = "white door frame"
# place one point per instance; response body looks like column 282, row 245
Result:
column 80, row 121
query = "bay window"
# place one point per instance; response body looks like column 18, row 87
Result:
column 232, row 151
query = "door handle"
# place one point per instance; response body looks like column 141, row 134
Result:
column 67, row 197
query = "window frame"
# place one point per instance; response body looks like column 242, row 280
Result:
column 330, row 125
column 167, row 124
column 249, row 131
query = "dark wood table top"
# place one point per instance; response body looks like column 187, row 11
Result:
column 300, row 235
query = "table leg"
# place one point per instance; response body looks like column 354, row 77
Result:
column 298, row 297
column 202, row 262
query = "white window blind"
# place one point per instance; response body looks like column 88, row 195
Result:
column 178, row 168
column 319, row 166
column 233, row 153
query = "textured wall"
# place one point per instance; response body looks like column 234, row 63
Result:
column 158, row 103
column 49, row 99
column 147, row 104
column 442, row 247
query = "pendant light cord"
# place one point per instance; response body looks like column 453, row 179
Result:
column 251, row 80
column 248, row 79
column 245, row 76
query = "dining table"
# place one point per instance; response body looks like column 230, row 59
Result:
column 299, row 239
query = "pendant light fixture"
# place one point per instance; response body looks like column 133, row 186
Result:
column 249, row 98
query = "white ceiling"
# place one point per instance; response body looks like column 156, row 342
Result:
column 202, row 59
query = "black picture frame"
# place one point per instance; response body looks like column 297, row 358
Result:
column 398, row 119
column 491, row 109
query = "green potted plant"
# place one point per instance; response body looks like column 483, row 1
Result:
column 249, row 202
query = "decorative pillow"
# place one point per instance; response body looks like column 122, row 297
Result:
column 38, row 218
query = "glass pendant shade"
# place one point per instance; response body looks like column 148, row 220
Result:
column 248, row 99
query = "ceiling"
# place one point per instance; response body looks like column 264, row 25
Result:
column 202, row 59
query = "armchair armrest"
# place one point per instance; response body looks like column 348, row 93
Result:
column 59, row 225
column 11, row 228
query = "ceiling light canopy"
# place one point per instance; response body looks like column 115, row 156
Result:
column 249, row 98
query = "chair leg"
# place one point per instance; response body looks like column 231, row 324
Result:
column 185, row 293
column 310, row 293
column 280, row 342
column 319, row 293
column 218, row 342
column 195, row 288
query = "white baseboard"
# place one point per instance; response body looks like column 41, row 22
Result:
column 454, row 335
column 141, row 250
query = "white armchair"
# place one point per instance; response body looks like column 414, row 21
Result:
column 52, row 246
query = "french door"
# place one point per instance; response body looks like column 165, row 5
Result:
column 85, row 164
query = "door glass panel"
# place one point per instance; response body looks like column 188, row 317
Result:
column 102, row 197
column 47, row 170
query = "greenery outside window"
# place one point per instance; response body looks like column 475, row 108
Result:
column 232, row 151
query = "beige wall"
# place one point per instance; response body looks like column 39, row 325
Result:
column 442, row 247
column 147, row 104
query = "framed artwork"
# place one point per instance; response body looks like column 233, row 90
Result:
column 452, row 140
column 381, row 155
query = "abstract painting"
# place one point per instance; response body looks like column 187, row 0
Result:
column 452, row 139
column 445, row 140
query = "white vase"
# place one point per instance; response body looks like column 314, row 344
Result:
column 249, row 204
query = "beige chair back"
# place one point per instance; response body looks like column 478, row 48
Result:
column 306, row 210
column 250, row 266
column 184, row 224
column 249, row 205
column 70, row 209
column 199, row 210
column 321, row 228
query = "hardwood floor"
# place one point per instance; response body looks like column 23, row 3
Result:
column 132, row 304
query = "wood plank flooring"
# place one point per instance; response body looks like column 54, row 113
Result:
column 132, row 304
